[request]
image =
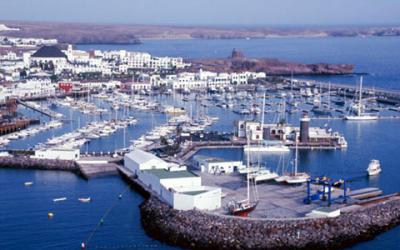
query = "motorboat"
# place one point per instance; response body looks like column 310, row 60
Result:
column 59, row 199
column 374, row 168
column 85, row 200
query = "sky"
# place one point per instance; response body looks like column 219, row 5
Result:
column 207, row 12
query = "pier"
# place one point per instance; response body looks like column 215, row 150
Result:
column 91, row 167
column 48, row 112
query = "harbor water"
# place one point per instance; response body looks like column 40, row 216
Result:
column 24, row 210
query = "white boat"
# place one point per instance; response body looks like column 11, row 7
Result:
column 295, row 177
column 60, row 199
column 14, row 136
column 244, row 207
column 263, row 175
column 374, row 168
column 360, row 115
column 28, row 183
column 267, row 146
column 280, row 179
column 88, row 199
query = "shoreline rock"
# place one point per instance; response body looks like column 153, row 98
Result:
column 200, row 230
column 25, row 162
column 238, row 62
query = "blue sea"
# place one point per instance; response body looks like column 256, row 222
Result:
column 24, row 222
column 378, row 57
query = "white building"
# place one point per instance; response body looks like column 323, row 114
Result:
column 214, row 165
column 179, row 187
column 250, row 128
column 49, row 54
column 33, row 88
column 57, row 154
column 138, row 160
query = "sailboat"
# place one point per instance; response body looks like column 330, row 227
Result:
column 244, row 207
column 295, row 177
column 360, row 115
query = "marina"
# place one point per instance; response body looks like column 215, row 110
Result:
column 303, row 139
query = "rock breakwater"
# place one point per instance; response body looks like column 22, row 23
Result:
column 199, row 230
column 25, row 162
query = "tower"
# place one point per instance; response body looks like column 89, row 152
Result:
column 304, row 129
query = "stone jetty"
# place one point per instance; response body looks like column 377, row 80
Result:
column 25, row 162
column 202, row 230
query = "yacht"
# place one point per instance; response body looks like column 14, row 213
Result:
column 263, row 175
column 359, row 114
column 295, row 177
column 374, row 168
column 244, row 207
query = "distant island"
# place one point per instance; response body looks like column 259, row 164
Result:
column 238, row 62
column 80, row 33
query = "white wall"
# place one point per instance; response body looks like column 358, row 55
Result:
column 57, row 154
column 181, row 182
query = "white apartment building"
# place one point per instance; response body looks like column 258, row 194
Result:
column 33, row 88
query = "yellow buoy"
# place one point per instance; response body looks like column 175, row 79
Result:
column 50, row 215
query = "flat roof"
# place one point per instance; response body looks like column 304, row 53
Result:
column 212, row 159
column 195, row 192
column 165, row 174
column 139, row 156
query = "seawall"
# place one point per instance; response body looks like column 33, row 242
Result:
column 200, row 230
column 25, row 162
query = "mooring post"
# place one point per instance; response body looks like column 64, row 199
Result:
column 329, row 193
column 308, row 191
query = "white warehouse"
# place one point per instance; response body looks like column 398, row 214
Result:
column 179, row 187
column 214, row 165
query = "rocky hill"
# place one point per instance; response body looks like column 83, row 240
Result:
column 238, row 62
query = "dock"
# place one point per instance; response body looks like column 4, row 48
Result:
column 91, row 167
column 48, row 113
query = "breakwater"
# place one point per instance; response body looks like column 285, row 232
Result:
column 199, row 230
column 25, row 162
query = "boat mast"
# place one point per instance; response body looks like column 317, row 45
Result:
column 248, row 167
column 263, row 113
column 329, row 95
column 360, row 97
column 296, row 156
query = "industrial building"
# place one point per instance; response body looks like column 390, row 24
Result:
column 214, row 165
column 179, row 187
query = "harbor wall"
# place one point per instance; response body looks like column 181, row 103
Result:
column 201, row 230
column 25, row 162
